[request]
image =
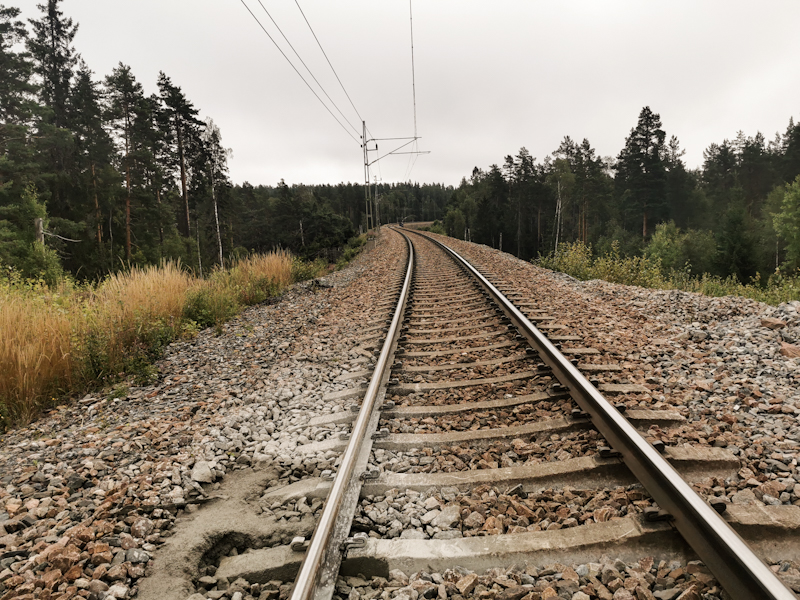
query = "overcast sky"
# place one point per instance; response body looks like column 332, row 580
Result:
column 491, row 77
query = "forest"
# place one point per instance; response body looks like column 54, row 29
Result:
column 97, row 177
column 737, row 215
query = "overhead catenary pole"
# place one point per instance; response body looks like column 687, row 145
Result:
column 367, row 204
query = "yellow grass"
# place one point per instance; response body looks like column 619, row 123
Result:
column 60, row 341
column 37, row 358
column 129, row 308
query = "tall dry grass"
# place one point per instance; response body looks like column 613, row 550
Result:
column 59, row 341
column 37, row 350
column 132, row 315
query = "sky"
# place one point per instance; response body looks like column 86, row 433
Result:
column 490, row 77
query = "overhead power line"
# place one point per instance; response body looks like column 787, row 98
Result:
column 413, row 76
column 329, row 61
column 298, row 72
column 411, row 163
column 306, row 66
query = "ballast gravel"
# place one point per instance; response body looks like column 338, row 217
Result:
column 728, row 365
column 89, row 491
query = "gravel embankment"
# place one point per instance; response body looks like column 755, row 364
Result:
column 90, row 490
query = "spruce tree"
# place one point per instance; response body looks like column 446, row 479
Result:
column 641, row 172
column 17, row 106
column 94, row 155
column 55, row 59
column 126, row 98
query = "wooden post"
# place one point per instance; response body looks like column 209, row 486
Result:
column 39, row 225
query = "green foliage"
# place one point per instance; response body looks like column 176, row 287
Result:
column 436, row 227
column 303, row 270
column 353, row 248
column 455, row 224
column 691, row 250
column 628, row 270
column 787, row 222
column 211, row 306
column 18, row 246
column 576, row 259
column 573, row 258
column 736, row 250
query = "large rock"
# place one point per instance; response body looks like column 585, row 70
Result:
column 771, row 323
column 467, row 583
column 450, row 516
column 201, row 472
column 142, row 527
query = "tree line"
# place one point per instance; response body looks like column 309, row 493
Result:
column 115, row 177
column 96, row 175
column 734, row 215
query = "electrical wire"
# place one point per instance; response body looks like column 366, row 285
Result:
column 329, row 61
column 306, row 66
column 411, row 164
column 413, row 76
column 298, row 72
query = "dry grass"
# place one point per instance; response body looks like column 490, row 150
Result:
column 37, row 350
column 56, row 342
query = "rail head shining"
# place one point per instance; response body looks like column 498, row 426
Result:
column 743, row 575
column 311, row 569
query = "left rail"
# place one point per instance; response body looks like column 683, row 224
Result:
column 320, row 567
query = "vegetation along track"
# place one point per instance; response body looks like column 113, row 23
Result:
column 485, row 446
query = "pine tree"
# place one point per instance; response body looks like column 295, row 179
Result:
column 641, row 172
column 126, row 99
column 184, row 133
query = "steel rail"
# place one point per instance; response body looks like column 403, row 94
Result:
column 740, row 572
column 320, row 546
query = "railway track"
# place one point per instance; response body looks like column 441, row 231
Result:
column 483, row 442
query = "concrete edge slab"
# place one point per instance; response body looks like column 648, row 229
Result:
column 262, row 566
column 630, row 538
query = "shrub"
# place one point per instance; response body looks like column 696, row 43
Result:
column 353, row 248
column 304, row 270
column 576, row 260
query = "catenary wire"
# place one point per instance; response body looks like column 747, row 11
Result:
column 329, row 61
column 413, row 76
column 299, row 74
column 278, row 27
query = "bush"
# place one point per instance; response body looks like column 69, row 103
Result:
column 436, row 227
column 303, row 270
column 353, row 248
column 576, row 260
